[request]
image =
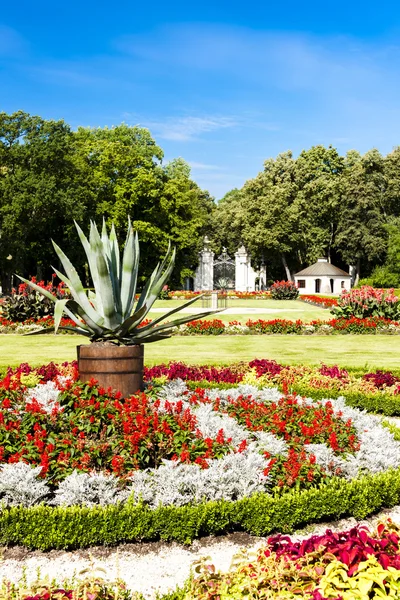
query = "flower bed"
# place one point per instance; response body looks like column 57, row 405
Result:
column 187, row 295
column 350, row 565
column 377, row 391
column 323, row 301
column 377, row 325
column 352, row 325
column 65, row 444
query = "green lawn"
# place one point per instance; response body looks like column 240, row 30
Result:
column 346, row 350
column 255, row 309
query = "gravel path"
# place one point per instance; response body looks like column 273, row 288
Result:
column 151, row 567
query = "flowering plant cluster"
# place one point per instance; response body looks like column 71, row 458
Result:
column 263, row 372
column 323, row 301
column 368, row 302
column 353, row 325
column 24, row 303
column 371, row 325
column 66, row 442
column 347, row 565
column 234, row 294
column 284, row 290
column 88, row 588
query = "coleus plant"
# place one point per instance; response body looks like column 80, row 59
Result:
column 109, row 313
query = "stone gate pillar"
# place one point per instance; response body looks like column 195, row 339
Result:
column 244, row 273
column 204, row 277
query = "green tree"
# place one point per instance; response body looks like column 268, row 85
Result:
column 38, row 200
column 362, row 236
column 124, row 173
column 270, row 221
column 318, row 177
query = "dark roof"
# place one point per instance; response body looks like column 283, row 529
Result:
column 322, row 268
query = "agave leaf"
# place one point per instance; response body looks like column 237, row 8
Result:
column 130, row 267
column 91, row 326
column 96, row 326
column 53, row 298
column 158, row 285
column 111, row 315
column 92, row 266
column 62, row 328
column 113, row 269
column 145, row 291
column 164, row 335
column 176, row 323
column 115, row 257
column 171, row 312
column 58, row 312
column 75, row 285
column 131, row 322
column 157, row 280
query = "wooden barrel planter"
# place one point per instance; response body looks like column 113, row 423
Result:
column 117, row 367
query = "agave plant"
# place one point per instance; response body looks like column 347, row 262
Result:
column 109, row 313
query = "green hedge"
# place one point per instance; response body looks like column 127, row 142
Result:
column 385, row 404
column 45, row 527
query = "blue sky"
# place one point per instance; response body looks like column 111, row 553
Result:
column 225, row 85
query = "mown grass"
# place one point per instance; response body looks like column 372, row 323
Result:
column 355, row 351
column 255, row 309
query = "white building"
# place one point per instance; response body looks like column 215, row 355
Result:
column 322, row 278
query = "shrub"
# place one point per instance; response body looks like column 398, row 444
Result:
column 368, row 302
column 25, row 303
column 384, row 277
column 284, row 290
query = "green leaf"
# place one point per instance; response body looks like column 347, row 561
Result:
column 58, row 312
column 75, row 285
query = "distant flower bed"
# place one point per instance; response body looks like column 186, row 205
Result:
column 187, row 295
column 323, row 301
column 28, row 325
column 352, row 325
column 65, row 442
column 368, row 302
column 377, row 325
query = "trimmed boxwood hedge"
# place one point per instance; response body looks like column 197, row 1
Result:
column 45, row 528
column 385, row 404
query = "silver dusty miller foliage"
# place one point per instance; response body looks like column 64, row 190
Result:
column 20, row 484
column 88, row 489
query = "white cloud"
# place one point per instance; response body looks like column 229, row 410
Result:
column 184, row 129
column 199, row 166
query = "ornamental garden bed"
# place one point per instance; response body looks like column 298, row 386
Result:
column 351, row 325
column 82, row 466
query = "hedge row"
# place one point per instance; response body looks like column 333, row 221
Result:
column 381, row 403
column 45, row 528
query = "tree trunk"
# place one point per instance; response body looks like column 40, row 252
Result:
column 287, row 270
column 358, row 268
column 354, row 271
column 6, row 284
column 330, row 244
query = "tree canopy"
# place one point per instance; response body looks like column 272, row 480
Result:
column 51, row 176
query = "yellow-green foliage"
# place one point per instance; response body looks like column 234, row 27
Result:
column 30, row 380
column 256, row 576
column 370, row 580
